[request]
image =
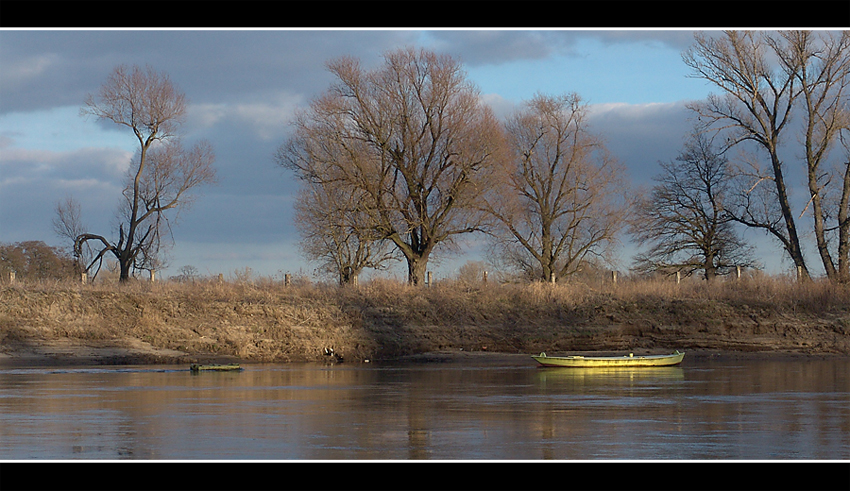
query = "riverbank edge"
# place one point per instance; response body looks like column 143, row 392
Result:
column 214, row 323
column 87, row 356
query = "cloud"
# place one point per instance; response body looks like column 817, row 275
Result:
column 44, row 68
column 641, row 135
column 266, row 119
column 23, row 164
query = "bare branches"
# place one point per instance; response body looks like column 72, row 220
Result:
column 684, row 218
column 755, row 106
column 142, row 100
column 560, row 195
column 410, row 139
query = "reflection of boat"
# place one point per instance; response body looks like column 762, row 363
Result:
column 575, row 378
column 230, row 366
column 629, row 360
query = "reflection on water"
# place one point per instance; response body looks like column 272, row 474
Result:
column 749, row 410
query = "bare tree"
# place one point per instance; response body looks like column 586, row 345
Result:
column 684, row 220
column 336, row 232
column 820, row 62
column 162, row 173
column 68, row 224
column 411, row 139
column 765, row 78
column 560, row 195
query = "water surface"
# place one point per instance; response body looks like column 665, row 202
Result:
column 511, row 410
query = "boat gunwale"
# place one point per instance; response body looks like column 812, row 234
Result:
column 580, row 361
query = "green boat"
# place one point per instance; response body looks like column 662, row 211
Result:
column 228, row 367
column 629, row 360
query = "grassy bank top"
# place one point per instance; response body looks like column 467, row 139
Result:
column 270, row 321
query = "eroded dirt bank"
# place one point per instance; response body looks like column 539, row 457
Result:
column 174, row 323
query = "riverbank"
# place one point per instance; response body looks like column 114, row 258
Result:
column 170, row 323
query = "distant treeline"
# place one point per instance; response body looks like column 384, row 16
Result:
column 35, row 260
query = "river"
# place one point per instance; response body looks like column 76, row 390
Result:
column 474, row 409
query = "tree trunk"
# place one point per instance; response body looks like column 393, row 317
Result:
column 348, row 276
column 844, row 230
column 820, row 232
column 709, row 268
column 416, row 268
column 793, row 241
column 124, row 265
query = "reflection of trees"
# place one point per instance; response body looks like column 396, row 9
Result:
column 427, row 412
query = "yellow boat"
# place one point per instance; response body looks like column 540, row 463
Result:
column 629, row 360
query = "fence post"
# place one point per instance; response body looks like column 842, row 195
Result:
column 11, row 277
column 84, row 278
column 614, row 277
column 287, row 279
column 737, row 272
column 430, row 279
column 678, row 277
column 153, row 276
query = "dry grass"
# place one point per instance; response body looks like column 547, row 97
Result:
column 264, row 320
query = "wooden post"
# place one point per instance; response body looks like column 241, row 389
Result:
column 11, row 277
column 153, row 276
column 614, row 277
column 737, row 272
column 84, row 278
column 485, row 277
column 430, row 279
column 287, row 279
column 678, row 277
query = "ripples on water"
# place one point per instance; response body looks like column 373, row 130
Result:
column 701, row 410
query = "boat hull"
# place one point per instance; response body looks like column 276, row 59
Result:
column 204, row 368
column 610, row 361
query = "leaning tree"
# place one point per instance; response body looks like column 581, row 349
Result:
column 162, row 173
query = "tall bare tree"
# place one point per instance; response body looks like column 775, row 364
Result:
column 560, row 195
column 684, row 219
column 162, row 173
column 765, row 78
column 411, row 139
column 755, row 106
column 820, row 63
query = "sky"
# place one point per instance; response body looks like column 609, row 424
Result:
column 243, row 88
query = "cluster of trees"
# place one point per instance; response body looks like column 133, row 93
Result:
column 404, row 160
column 35, row 260
column 783, row 95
